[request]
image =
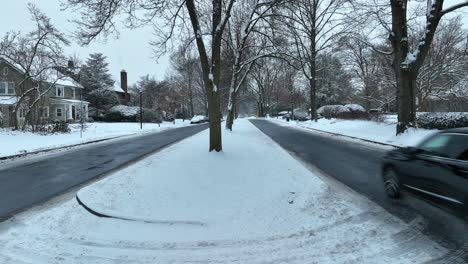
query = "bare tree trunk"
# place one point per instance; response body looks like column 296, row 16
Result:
column 231, row 111
column 406, row 81
column 191, row 98
column 367, row 94
column 422, row 103
column 313, row 64
column 215, row 123
column 236, row 113
column 211, row 71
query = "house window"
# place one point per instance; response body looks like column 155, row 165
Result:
column 59, row 91
column 74, row 92
column 59, row 112
column 11, row 88
column 22, row 112
column 5, row 71
column 7, row 88
column 3, row 88
column 44, row 112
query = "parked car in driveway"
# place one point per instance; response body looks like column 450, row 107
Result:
column 437, row 168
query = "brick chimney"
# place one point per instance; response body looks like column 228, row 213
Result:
column 124, row 84
column 123, row 80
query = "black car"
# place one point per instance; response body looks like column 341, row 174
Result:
column 437, row 168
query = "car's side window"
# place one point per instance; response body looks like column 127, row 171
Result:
column 458, row 147
column 436, row 145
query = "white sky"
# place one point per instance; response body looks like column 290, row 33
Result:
column 131, row 51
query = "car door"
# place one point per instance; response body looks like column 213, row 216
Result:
column 457, row 165
column 442, row 169
column 419, row 168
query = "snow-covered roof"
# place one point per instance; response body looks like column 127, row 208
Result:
column 117, row 87
column 64, row 80
column 63, row 100
column 8, row 100
column 12, row 64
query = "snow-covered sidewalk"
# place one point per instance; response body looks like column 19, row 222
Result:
column 373, row 131
column 252, row 203
column 17, row 142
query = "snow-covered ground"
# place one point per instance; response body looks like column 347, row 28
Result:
column 379, row 132
column 252, row 203
column 17, row 142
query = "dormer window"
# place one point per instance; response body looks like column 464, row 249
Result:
column 59, row 91
column 5, row 71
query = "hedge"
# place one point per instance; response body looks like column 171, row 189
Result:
column 442, row 120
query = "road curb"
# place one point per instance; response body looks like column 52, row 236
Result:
column 337, row 134
column 62, row 147
column 95, row 178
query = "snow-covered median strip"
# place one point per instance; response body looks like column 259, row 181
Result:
column 367, row 130
column 256, row 202
column 16, row 142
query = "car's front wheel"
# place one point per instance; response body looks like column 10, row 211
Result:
column 391, row 184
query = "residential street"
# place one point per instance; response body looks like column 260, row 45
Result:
column 358, row 166
column 251, row 203
column 42, row 178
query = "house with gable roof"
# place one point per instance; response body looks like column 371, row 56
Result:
column 63, row 101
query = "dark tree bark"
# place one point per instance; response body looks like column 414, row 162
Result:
column 231, row 112
column 98, row 19
column 406, row 63
column 211, row 71
column 313, row 64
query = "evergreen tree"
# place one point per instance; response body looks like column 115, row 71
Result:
column 97, row 81
column 95, row 73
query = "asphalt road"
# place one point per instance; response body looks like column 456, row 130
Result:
column 35, row 181
column 358, row 166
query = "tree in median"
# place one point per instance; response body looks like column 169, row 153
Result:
column 98, row 18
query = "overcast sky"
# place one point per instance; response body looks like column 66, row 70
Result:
column 130, row 51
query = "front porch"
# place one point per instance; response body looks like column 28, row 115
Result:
column 7, row 104
column 68, row 109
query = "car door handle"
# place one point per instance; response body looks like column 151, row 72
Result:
column 464, row 171
column 457, row 169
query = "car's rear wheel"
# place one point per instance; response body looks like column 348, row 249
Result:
column 391, row 184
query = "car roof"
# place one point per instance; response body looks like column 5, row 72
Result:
column 463, row 130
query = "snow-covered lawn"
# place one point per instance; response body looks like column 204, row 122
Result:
column 369, row 130
column 17, row 142
column 252, row 203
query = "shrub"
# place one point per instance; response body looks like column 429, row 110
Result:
column 376, row 117
column 442, row 120
column 301, row 115
column 332, row 111
column 60, row 127
column 122, row 113
column 118, row 117
column 352, row 115
column 355, row 108
column 128, row 111
column 102, row 97
column 150, row 116
column 350, row 112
